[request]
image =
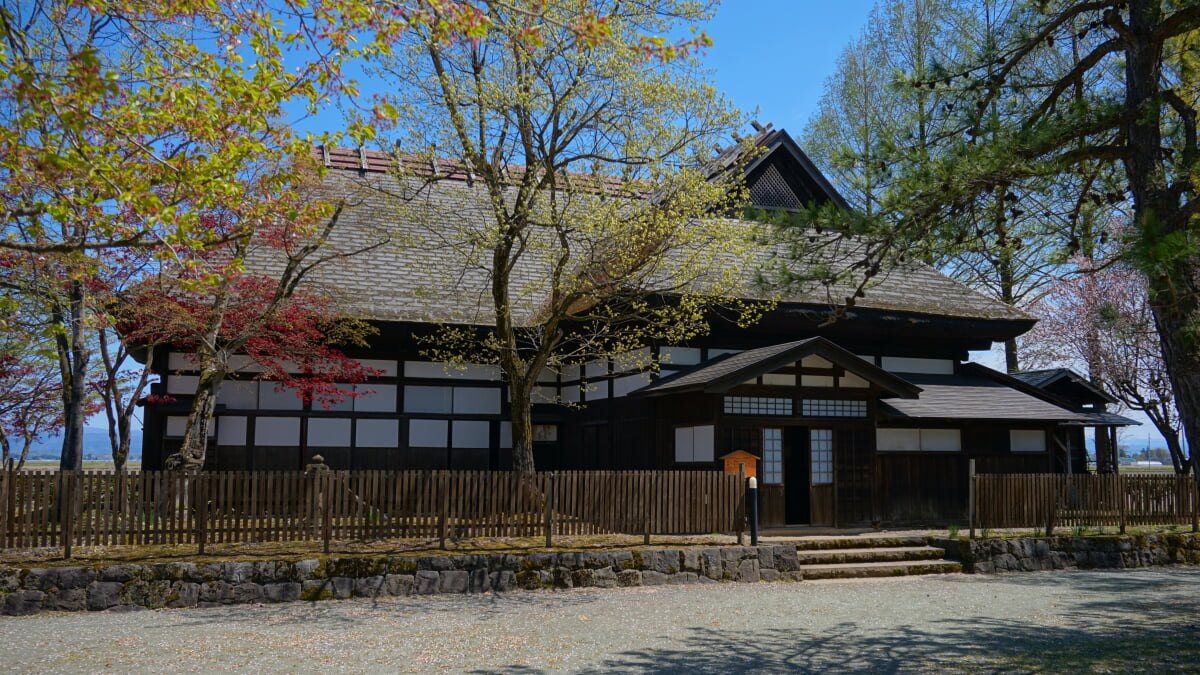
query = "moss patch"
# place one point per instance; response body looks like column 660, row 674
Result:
column 383, row 550
column 401, row 566
column 530, row 580
column 314, row 593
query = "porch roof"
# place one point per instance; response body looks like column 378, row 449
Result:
column 970, row 397
column 726, row 372
column 1102, row 418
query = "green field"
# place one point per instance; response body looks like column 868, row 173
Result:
column 1148, row 469
column 90, row 465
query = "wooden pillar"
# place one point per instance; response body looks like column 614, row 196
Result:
column 1058, row 436
column 833, row 465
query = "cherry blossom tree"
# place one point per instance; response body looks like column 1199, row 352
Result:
column 1100, row 316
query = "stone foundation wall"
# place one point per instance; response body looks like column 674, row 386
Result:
column 986, row 556
column 131, row 587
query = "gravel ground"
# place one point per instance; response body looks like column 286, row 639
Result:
column 1133, row 621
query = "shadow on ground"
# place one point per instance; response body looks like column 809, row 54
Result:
column 1122, row 623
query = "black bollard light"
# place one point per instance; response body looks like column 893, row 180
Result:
column 752, row 493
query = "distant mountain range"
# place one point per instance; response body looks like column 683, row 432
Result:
column 95, row 445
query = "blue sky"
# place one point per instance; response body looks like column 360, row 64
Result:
column 775, row 54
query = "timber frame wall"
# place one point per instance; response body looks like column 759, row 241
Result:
column 607, row 429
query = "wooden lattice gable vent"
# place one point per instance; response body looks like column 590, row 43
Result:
column 783, row 177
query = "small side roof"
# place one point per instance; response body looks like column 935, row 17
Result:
column 981, row 393
column 724, row 373
column 973, row 397
column 1066, row 383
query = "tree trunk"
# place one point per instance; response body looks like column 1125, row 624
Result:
column 1011, row 363
column 24, row 452
column 1161, row 419
column 1105, row 462
column 195, row 438
column 1172, row 291
column 522, row 428
column 74, row 355
column 1175, row 325
column 117, row 409
column 1175, row 448
column 121, row 453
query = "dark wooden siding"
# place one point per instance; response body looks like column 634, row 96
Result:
column 932, row 486
column 772, row 510
column 853, row 456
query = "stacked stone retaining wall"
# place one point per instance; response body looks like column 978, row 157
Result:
column 986, row 556
column 132, row 587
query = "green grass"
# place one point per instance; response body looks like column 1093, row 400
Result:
column 1148, row 469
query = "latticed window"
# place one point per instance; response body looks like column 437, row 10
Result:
column 757, row 405
column 772, row 456
column 821, row 450
column 816, row 407
column 772, row 191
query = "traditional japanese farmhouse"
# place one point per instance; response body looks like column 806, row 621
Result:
column 871, row 417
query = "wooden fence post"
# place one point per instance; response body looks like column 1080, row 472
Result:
column 66, row 509
column 739, row 514
column 646, row 507
column 325, row 480
column 5, row 510
column 1195, row 492
column 972, row 499
column 1051, row 504
column 444, row 511
column 200, row 483
column 1122, row 497
column 550, row 512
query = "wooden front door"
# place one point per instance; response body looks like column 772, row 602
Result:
column 795, row 478
column 820, row 468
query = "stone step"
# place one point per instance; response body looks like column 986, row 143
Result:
column 828, row 543
column 879, row 569
column 857, row 555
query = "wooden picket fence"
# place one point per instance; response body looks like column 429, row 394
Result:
column 101, row 508
column 1084, row 500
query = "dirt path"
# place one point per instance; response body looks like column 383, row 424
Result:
column 1139, row 621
